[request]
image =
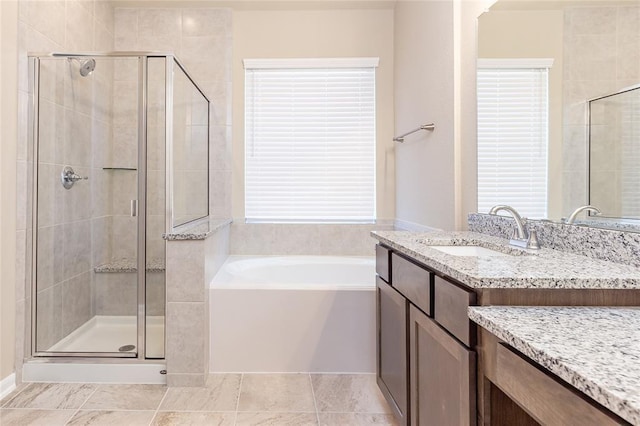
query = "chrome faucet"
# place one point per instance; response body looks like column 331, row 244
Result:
column 579, row 210
column 521, row 237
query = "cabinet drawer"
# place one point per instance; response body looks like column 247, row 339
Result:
column 549, row 401
column 383, row 256
column 450, row 309
column 412, row 281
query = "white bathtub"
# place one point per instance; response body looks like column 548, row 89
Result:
column 293, row 314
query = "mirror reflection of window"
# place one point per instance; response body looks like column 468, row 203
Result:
column 513, row 134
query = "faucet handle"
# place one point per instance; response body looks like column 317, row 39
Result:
column 532, row 242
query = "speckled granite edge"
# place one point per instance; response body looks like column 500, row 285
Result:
column 197, row 231
column 129, row 265
column 593, row 349
column 604, row 244
column 544, row 268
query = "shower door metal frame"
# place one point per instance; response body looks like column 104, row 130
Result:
column 170, row 59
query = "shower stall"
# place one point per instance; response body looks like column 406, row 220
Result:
column 120, row 157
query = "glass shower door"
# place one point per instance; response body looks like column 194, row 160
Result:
column 86, row 226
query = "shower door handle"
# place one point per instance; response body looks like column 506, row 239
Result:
column 134, row 208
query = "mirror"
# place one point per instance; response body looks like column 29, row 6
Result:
column 594, row 46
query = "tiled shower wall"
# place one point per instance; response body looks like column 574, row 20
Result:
column 601, row 56
column 67, row 224
column 201, row 39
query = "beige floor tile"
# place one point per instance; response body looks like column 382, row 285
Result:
column 13, row 393
column 51, row 396
column 357, row 419
column 126, row 397
column 276, row 392
column 277, row 419
column 348, row 393
column 28, row 417
column 220, row 394
column 109, row 418
column 185, row 418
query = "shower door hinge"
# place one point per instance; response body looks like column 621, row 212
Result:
column 134, row 208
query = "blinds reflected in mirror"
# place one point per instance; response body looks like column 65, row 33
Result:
column 513, row 122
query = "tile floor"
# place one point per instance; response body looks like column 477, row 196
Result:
column 227, row 399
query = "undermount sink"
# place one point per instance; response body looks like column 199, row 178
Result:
column 468, row 251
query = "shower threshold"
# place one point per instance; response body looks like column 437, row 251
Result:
column 103, row 334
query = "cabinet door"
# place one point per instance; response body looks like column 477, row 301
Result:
column 442, row 381
column 392, row 348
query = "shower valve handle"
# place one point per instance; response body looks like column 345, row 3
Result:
column 69, row 177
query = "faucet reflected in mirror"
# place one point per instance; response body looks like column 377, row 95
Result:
column 521, row 237
column 576, row 212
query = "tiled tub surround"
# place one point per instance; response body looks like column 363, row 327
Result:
column 524, row 269
column 191, row 265
column 603, row 244
column 593, row 349
column 304, row 239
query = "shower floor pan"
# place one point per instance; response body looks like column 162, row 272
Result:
column 113, row 334
column 103, row 334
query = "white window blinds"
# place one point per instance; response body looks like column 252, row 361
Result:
column 310, row 140
column 513, row 137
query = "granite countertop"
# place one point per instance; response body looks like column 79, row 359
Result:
column 197, row 230
column 544, row 268
column 597, row 350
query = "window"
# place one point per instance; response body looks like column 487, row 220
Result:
column 513, row 134
column 310, row 140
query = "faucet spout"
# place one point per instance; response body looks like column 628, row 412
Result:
column 576, row 212
column 521, row 233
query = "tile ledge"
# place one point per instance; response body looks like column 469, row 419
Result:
column 197, row 230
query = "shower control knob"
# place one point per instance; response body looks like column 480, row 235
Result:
column 69, row 177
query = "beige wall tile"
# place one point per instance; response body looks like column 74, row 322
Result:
column 185, row 271
column 116, row 293
column 185, row 345
column 76, row 302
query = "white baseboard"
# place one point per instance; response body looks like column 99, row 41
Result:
column 7, row 385
column 404, row 225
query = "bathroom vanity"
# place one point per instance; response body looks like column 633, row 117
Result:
column 426, row 284
column 563, row 365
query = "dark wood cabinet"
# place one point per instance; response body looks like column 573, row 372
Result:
column 392, row 348
column 425, row 371
column 442, row 375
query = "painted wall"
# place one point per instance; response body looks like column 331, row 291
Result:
column 8, row 135
column 435, row 48
column 517, row 34
column 314, row 33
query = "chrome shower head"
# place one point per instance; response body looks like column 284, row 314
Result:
column 86, row 65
